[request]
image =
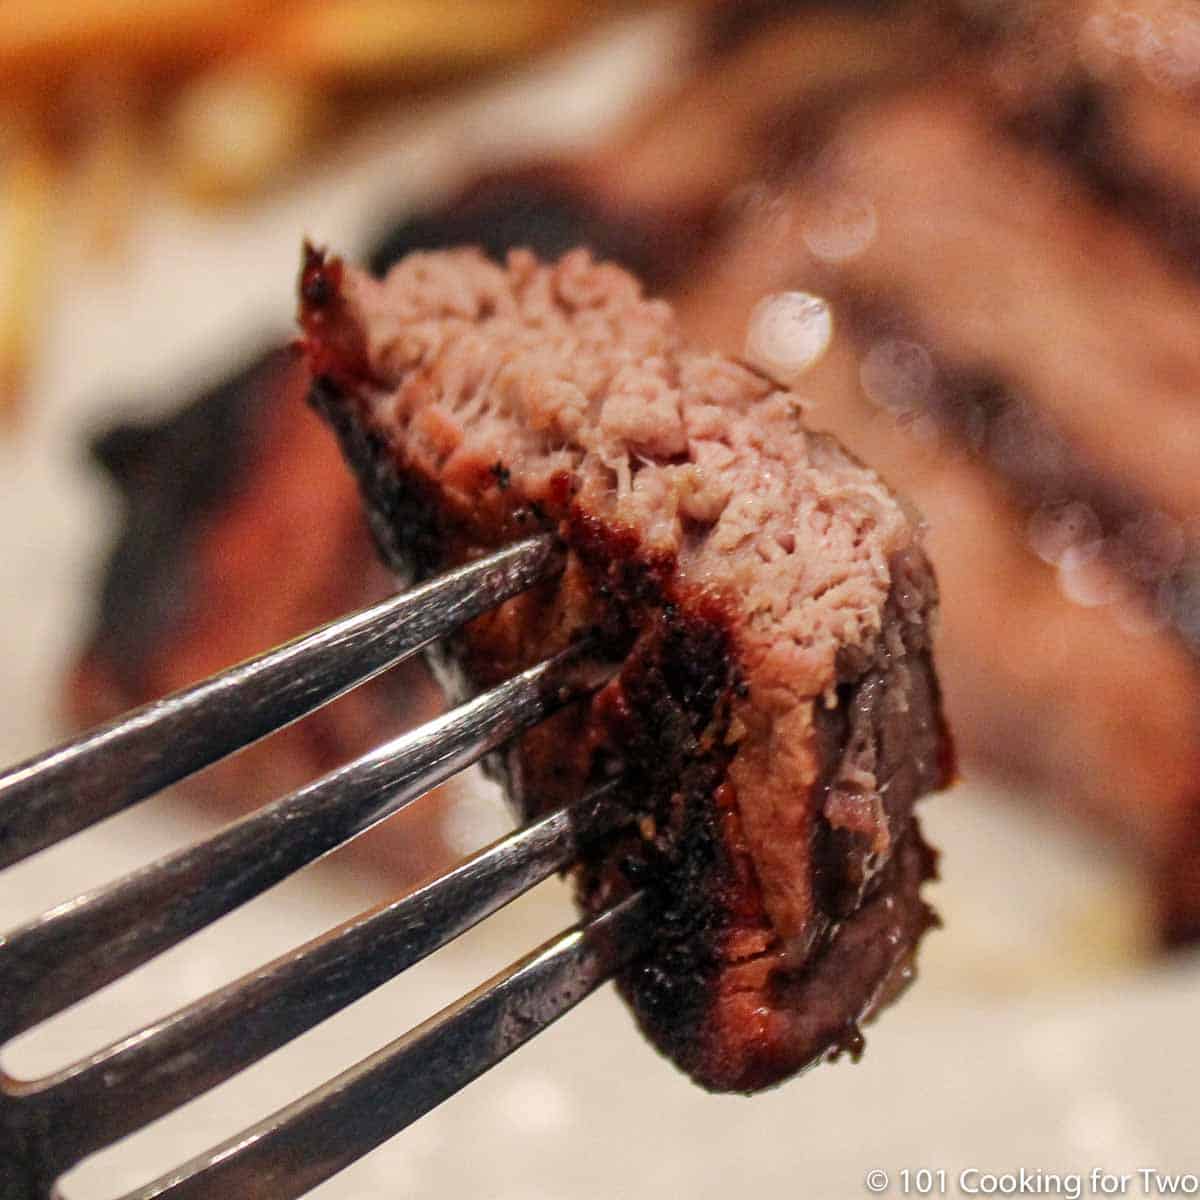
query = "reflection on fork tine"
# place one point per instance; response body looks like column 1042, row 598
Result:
column 48, row 1125
column 308, row 1141
column 74, row 785
column 78, row 947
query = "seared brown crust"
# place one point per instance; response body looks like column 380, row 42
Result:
column 721, row 993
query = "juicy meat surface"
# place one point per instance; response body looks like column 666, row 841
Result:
column 760, row 596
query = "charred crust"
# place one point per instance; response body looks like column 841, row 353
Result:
column 674, row 689
column 332, row 339
column 402, row 516
column 664, row 722
column 615, row 558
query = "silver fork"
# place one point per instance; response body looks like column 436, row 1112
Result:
column 48, row 1125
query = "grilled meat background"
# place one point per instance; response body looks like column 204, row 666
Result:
column 242, row 530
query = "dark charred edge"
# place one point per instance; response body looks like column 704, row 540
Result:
column 541, row 208
column 333, row 342
column 673, row 992
column 670, row 761
column 401, row 515
column 677, row 689
column 1073, row 124
column 667, row 723
column 406, row 525
column 680, row 689
column 174, row 475
column 971, row 403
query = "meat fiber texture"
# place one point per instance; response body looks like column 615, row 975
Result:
column 760, row 597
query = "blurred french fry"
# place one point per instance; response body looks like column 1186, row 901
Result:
column 231, row 132
column 238, row 91
column 57, row 37
column 363, row 40
column 27, row 187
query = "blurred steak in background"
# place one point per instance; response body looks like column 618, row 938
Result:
column 243, row 529
column 1022, row 358
column 1000, row 203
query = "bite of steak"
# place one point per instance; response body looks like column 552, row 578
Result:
column 760, row 596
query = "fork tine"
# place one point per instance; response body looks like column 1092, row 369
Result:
column 306, row 1142
column 66, row 789
column 76, row 948
column 118, row 1090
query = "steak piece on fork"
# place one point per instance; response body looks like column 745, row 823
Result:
column 759, row 598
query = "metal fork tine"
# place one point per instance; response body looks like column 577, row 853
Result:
column 66, row 789
column 76, row 948
column 52, row 962
column 118, row 1090
column 312, row 1139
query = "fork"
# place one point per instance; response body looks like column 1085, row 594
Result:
column 48, row 1125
